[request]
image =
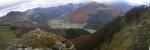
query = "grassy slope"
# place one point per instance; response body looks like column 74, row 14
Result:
column 120, row 41
column 67, row 25
column 132, row 37
column 63, row 24
column 5, row 36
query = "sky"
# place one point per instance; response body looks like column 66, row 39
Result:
column 22, row 5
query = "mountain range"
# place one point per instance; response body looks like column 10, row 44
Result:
column 73, row 14
column 87, row 26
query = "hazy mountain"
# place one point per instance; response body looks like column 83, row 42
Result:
column 123, row 6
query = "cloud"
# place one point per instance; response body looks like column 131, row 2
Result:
column 139, row 1
column 22, row 5
column 8, row 2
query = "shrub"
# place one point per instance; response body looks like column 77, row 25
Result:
column 74, row 33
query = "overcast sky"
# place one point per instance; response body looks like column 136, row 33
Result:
column 22, row 5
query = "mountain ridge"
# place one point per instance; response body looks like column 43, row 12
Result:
column 71, row 13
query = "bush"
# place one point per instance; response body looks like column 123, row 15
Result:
column 74, row 33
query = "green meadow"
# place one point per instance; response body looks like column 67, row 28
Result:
column 6, row 36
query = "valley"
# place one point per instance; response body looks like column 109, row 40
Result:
column 82, row 26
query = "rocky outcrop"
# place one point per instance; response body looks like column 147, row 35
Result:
column 40, row 40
